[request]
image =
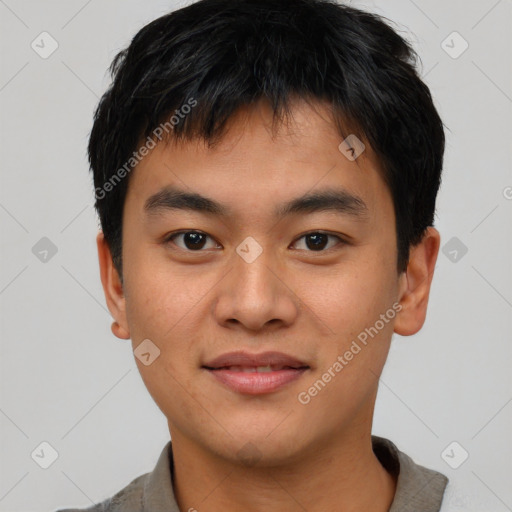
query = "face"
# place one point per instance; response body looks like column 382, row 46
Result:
column 259, row 293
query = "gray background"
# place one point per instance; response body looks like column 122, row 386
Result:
column 66, row 380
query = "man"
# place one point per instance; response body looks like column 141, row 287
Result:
column 266, row 176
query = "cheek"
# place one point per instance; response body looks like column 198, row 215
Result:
column 161, row 308
column 352, row 355
column 352, row 299
column 169, row 306
column 157, row 296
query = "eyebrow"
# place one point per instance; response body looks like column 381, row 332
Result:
column 330, row 199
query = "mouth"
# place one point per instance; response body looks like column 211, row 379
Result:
column 255, row 374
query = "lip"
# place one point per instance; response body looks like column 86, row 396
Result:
column 249, row 360
column 237, row 371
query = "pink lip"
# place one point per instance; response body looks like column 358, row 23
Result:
column 246, row 359
column 228, row 369
column 256, row 383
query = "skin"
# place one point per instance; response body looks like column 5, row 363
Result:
column 310, row 304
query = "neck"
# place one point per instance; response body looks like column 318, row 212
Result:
column 342, row 475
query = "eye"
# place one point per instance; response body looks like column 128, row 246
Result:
column 195, row 241
column 191, row 240
column 318, row 241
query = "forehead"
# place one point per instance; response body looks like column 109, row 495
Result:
column 254, row 167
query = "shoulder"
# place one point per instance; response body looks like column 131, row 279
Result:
column 418, row 488
column 150, row 492
column 128, row 499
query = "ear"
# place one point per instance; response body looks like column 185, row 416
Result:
column 113, row 289
column 415, row 284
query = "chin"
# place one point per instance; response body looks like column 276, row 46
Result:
column 258, row 453
column 262, row 443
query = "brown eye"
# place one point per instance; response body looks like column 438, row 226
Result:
column 317, row 241
column 190, row 240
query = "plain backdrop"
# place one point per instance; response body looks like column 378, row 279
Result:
column 67, row 381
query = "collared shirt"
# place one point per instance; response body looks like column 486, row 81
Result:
column 418, row 489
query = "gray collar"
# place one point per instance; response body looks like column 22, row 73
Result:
column 419, row 489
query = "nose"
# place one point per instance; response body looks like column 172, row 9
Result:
column 255, row 295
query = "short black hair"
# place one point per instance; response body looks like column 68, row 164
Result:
column 220, row 55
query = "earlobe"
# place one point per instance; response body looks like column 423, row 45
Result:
column 112, row 288
column 119, row 331
column 415, row 284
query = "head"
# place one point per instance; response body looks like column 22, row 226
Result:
column 266, row 176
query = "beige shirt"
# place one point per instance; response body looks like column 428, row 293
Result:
column 418, row 489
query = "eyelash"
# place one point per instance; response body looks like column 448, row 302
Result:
column 170, row 239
